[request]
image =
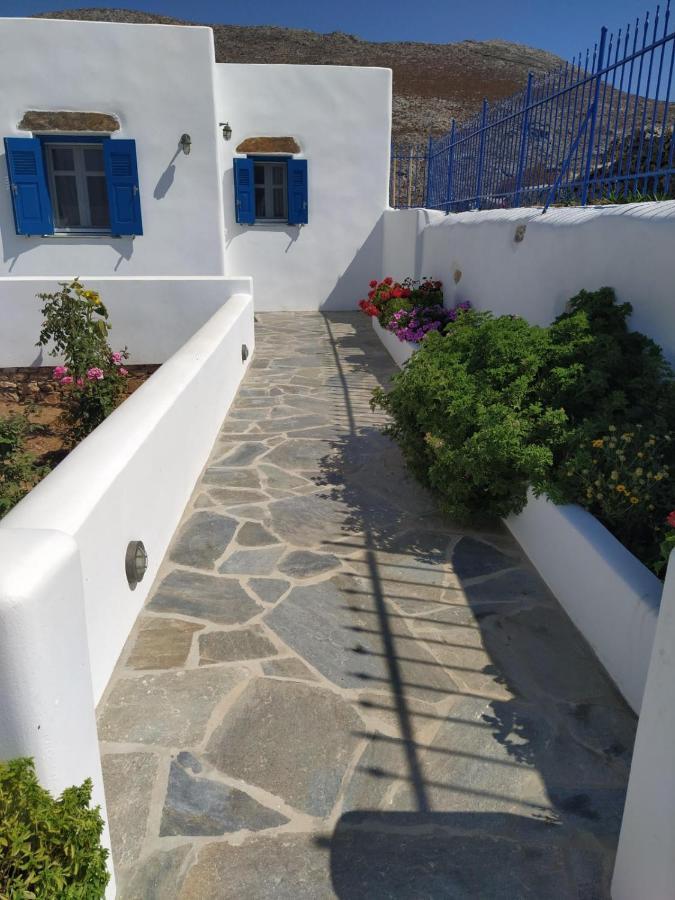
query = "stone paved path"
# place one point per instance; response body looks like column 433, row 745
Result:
column 332, row 692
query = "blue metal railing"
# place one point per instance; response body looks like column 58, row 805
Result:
column 598, row 128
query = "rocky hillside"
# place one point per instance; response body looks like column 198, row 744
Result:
column 432, row 82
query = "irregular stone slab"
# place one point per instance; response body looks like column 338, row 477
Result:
column 233, row 478
column 203, row 501
column 291, row 423
column 605, row 729
column 196, row 806
column 472, row 558
column 345, row 643
column 294, row 740
column 519, row 586
column 220, row 600
column 288, row 668
column 309, row 520
column 203, row 539
column 279, row 867
column 306, row 564
column 236, row 496
column 162, row 644
column 269, row 589
column 244, row 454
column 252, row 562
column 259, row 513
column 170, row 709
column 383, row 764
column 128, row 779
column 226, row 646
column 251, row 534
column 301, row 454
column 279, row 480
column 157, row 877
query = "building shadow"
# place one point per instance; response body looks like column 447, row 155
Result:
column 503, row 769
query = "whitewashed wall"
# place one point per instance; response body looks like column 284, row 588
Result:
column 341, row 117
column 158, row 80
column 151, row 315
column 626, row 247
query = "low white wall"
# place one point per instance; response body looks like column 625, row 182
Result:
column 131, row 478
column 341, row 117
column 158, row 81
column 153, row 316
column 611, row 597
column 645, row 860
column 628, row 247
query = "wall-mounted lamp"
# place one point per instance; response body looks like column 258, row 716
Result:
column 227, row 131
column 244, row 352
column 185, row 143
column 135, row 563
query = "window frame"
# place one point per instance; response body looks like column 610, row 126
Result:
column 79, row 142
column 280, row 163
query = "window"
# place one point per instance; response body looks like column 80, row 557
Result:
column 271, row 189
column 271, row 197
column 74, row 186
column 77, row 187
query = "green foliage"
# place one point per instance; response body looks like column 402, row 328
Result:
column 75, row 327
column 48, row 848
column 497, row 404
column 19, row 470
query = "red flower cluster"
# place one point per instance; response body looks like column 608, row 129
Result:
column 670, row 519
column 369, row 308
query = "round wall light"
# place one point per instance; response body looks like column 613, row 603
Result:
column 244, row 352
column 185, row 143
column 135, row 562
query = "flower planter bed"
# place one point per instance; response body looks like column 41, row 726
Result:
column 612, row 598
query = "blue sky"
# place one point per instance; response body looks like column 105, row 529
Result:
column 563, row 27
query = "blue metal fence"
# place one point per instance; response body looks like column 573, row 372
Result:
column 599, row 128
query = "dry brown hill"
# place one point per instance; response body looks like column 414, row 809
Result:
column 432, row 82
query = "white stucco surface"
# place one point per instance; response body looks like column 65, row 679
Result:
column 152, row 316
column 158, row 81
column 645, row 861
column 131, row 478
column 626, row 247
column 341, row 118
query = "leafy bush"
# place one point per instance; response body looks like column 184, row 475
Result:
column 76, row 326
column 494, row 405
column 48, row 848
column 19, row 470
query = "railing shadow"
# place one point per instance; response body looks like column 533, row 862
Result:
column 512, row 791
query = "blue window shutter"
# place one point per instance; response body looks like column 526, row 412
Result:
column 27, row 182
column 297, row 192
column 124, row 200
column 244, row 191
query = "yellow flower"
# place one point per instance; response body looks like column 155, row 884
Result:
column 598, row 442
column 640, row 455
column 614, row 476
column 634, row 500
column 626, row 436
column 621, row 488
column 658, row 477
column 612, row 428
column 638, row 471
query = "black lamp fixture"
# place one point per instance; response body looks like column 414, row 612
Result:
column 185, row 143
column 135, row 562
column 227, row 130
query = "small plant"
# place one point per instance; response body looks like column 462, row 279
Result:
column 76, row 327
column 414, row 324
column 48, row 848
column 19, row 469
column 386, row 298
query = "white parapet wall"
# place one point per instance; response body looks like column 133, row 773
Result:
column 153, row 315
column 66, row 607
column 611, row 597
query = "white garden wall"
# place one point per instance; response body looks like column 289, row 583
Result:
column 158, row 80
column 153, row 316
column 475, row 254
column 341, row 118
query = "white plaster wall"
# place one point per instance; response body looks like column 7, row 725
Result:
column 626, row 247
column 158, row 80
column 645, row 860
column 152, row 316
column 400, row 351
column 132, row 477
column 341, row 117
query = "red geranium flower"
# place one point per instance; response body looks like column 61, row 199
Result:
column 373, row 284
column 371, row 294
column 397, row 292
column 388, row 280
column 385, row 296
column 671, row 519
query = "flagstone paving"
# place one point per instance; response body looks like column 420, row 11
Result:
column 335, row 692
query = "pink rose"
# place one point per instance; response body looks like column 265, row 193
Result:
column 116, row 358
column 59, row 372
column 67, row 379
column 80, row 382
column 95, row 374
column 122, row 371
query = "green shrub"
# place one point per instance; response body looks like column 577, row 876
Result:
column 19, row 470
column 75, row 327
column 49, row 848
column 496, row 404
